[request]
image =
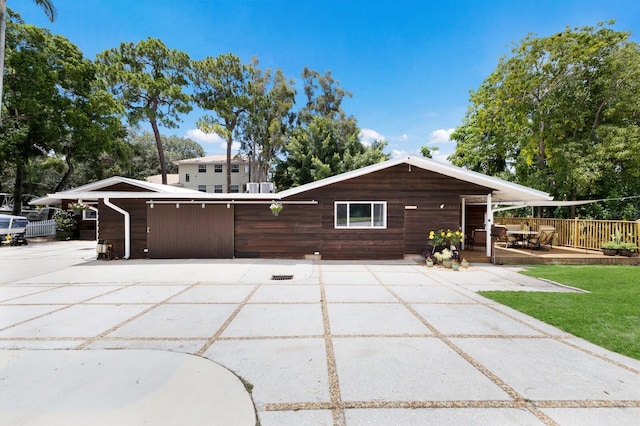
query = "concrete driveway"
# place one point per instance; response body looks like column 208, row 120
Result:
column 333, row 343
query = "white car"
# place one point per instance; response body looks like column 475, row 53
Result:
column 12, row 229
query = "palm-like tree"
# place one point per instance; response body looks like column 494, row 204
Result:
column 49, row 10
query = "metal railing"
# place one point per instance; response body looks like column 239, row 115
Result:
column 42, row 228
column 581, row 233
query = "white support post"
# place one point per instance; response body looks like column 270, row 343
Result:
column 464, row 221
column 489, row 223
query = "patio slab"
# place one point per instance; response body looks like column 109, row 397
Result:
column 368, row 370
column 369, row 319
column 282, row 371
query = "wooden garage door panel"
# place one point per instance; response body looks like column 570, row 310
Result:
column 190, row 231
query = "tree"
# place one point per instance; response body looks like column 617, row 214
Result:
column 265, row 128
column 223, row 85
column 148, row 79
column 49, row 10
column 427, row 151
column 547, row 116
column 325, row 141
column 54, row 104
column 144, row 159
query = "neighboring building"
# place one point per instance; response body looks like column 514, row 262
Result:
column 172, row 179
column 383, row 211
column 209, row 174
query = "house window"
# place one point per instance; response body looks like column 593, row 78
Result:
column 90, row 214
column 361, row 214
column 217, row 168
column 235, row 188
column 202, row 168
column 202, row 188
column 235, row 168
column 217, row 189
column 186, row 177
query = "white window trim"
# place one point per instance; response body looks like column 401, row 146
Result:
column 371, row 225
column 94, row 213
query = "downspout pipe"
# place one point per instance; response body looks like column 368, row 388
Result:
column 127, row 226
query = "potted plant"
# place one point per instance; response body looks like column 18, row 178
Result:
column 464, row 263
column 276, row 208
column 610, row 248
column 444, row 257
column 627, row 249
column 455, row 266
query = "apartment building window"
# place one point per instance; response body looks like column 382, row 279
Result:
column 235, row 168
column 217, row 168
column 202, row 168
column 235, row 188
column 217, row 189
column 187, row 177
column 202, row 188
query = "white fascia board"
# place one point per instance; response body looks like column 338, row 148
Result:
column 196, row 195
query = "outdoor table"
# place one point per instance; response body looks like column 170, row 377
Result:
column 522, row 235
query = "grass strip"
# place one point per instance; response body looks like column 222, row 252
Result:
column 608, row 316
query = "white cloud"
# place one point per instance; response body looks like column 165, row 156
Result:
column 440, row 156
column 404, row 137
column 202, row 137
column 398, row 153
column 367, row 136
column 440, row 136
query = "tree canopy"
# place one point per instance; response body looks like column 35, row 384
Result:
column 325, row 142
column 560, row 114
column 54, row 104
column 148, row 79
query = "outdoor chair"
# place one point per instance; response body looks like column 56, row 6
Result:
column 544, row 237
column 511, row 240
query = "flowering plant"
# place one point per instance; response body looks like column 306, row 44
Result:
column 445, row 254
column 78, row 206
column 445, row 238
column 276, row 208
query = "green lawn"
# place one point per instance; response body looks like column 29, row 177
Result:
column 608, row 316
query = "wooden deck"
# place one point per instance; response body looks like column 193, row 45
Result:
column 559, row 256
column 549, row 256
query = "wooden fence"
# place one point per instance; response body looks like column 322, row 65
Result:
column 580, row 233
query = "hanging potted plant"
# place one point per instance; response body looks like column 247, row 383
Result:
column 276, row 208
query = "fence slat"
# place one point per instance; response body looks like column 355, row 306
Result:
column 42, row 228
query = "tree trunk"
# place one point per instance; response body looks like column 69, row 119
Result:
column 3, row 29
column 163, row 165
column 229, row 142
column 17, row 189
column 65, row 176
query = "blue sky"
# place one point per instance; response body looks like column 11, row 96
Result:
column 409, row 63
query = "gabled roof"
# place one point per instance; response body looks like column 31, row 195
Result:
column 146, row 186
column 501, row 190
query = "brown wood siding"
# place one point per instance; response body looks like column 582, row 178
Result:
column 190, row 231
column 111, row 226
column 304, row 229
column 292, row 234
column 475, row 217
column 124, row 187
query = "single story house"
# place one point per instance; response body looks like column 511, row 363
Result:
column 382, row 211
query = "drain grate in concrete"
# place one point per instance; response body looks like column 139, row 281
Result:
column 281, row 277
